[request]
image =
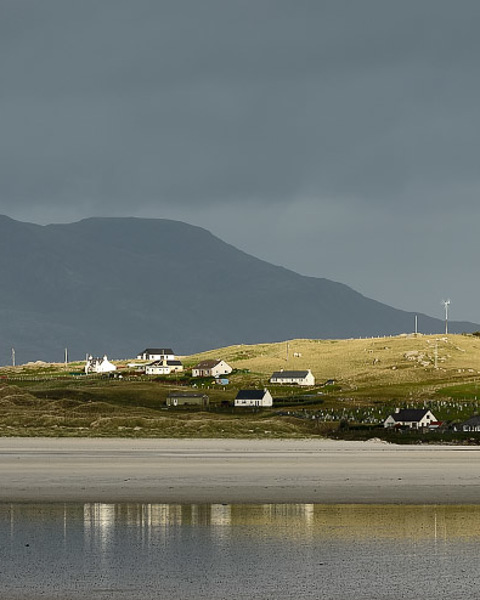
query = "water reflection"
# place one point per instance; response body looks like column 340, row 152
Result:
column 239, row 551
column 287, row 520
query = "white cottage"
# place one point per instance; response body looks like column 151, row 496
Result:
column 99, row 365
column 254, row 398
column 211, row 368
column 293, row 378
column 413, row 418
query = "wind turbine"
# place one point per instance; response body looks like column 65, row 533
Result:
column 446, row 304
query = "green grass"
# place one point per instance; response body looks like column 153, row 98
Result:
column 467, row 391
column 372, row 377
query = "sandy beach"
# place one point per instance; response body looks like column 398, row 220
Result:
column 235, row 471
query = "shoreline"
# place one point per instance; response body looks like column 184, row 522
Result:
column 235, row 471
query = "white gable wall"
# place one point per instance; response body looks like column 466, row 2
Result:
column 389, row 422
column 222, row 368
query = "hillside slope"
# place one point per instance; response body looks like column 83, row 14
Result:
column 382, row 362
column 118, row 285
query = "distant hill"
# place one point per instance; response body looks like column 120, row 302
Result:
column 119, row 285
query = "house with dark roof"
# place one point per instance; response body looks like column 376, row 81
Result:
column 412, row 418
column 471, row 424
column 292, row 378
column 255, row 398
column 187, row 399
column 211, row 368
column 156, row 354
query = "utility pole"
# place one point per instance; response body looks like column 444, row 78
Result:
column 66, row 356
column 13, row 357
column 416, row 324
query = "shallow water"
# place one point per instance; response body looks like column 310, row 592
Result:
column 334, row 552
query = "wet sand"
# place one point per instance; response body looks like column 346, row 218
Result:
column 236, row 471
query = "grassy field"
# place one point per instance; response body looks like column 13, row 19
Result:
column 372, row 377
column 362, row 363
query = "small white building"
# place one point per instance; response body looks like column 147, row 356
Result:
column 164, row 367
column 99, row 365
column 254, row 398
column 156, row 354
column 413, row 418
column 211, row 368
column 293, row 378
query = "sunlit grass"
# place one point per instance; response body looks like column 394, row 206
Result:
column 372, row 377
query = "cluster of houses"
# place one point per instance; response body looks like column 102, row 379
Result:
column 164, row 362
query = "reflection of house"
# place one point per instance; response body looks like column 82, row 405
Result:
column 293, row 378
column 99, row 365
column 156, row 354
column 471, row 424
column 164, row 367
column 211, row 368
column 187, row 399
column 253, row 398
column 413, row 418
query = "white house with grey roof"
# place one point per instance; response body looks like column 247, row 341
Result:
column 253, row 398
column 292, row 378
column 156, row 354
column 413, row 418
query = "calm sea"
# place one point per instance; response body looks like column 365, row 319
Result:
column 110, row 551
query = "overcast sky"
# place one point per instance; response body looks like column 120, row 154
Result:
column 339, row 138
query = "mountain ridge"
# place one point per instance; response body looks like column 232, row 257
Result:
column 116, row 285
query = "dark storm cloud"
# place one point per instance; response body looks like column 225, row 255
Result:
column 337, row 137
column 109, row 102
